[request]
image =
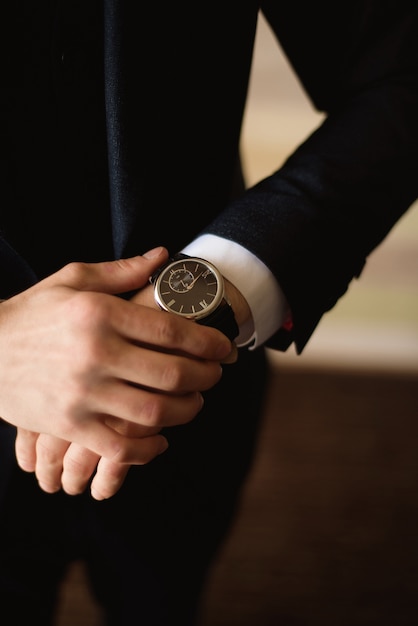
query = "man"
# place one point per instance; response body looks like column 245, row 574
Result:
column 121, row 128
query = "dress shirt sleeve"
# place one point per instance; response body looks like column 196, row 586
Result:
column 254, row 280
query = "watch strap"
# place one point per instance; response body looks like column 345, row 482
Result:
column 223, row 319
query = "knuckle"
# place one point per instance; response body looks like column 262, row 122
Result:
column 88, row 330
column 151, row 414
column 167, row 329
column 172, row 375
column 89, row 309
column 73, row 466
column 91, row 358
column 72, row 404
column 74, row 272
column 72, row 418
column 47, row 454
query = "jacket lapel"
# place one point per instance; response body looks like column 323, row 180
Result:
column 122, row 196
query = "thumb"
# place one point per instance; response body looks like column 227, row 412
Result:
column 112, row 277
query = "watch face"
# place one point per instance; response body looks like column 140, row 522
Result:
column 190, row 287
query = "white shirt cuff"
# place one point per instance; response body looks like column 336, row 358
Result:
column 257, row 284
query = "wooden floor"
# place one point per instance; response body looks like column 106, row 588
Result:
column 328, row 531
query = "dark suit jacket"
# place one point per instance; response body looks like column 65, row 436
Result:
column 154, row 93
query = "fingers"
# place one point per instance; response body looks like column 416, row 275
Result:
column 110, row 475
column 50, row 452
column 167, row 373
column 111, row 277
column 232, row 356
column 80, row 464
column 25, row 449
column 172, row 333
column 108, row 479
column 60, row 464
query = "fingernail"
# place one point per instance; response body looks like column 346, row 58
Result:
column 49, row 487
column 151, row 254
column 232, row 357
column 96, row 494
column 164, row 445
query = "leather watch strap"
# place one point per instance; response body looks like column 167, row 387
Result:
column 223, row 319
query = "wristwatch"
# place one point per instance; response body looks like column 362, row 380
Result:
column 194, row 288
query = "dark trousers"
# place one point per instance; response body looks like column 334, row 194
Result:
column 147, row 550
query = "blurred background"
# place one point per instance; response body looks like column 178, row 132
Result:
column 376, row 323
column 327, row 530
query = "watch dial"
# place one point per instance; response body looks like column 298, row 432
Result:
column 190, row 287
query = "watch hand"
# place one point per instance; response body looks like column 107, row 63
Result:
column 194, row 280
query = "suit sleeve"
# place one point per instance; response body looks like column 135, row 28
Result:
column 316, row 220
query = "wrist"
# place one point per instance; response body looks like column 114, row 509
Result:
column 242, row 313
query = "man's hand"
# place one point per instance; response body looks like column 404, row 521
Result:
column 78, row 364
column 59, row 464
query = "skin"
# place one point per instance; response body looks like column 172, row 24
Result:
column 89, row 379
